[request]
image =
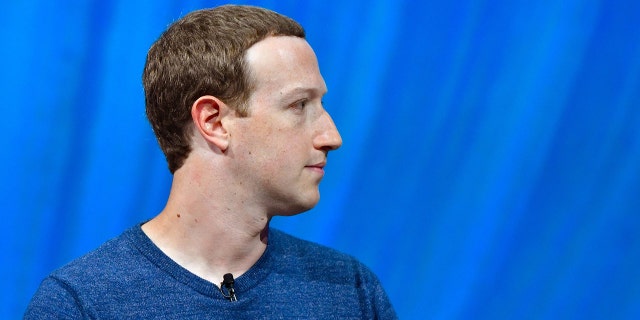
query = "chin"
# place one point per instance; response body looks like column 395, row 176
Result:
column 299, row 207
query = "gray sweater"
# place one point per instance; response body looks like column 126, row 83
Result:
column 129, row 277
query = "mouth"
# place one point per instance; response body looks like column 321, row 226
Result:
column 318, row 167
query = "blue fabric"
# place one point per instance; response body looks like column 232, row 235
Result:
column 130, row 278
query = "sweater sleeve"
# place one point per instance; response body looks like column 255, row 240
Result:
column 54, row 300
column 377, row 300
column 382, row 305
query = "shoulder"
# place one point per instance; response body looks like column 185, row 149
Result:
column 320, row 269
column 65, row 291
column 295, row 247
column 107, row 259
column 320, row 260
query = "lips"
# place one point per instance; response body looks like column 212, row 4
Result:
column 318, row 167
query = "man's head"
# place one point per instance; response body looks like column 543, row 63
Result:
column 203, row 53
column 278, row 152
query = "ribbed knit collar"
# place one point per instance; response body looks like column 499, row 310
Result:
column 244, row 283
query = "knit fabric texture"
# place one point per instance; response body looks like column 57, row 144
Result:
column 129, row 277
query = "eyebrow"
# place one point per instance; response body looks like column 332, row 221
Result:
column 302, row 90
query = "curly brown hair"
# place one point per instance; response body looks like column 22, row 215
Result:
column 203, row 53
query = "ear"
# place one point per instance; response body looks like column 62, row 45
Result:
column 207, row 113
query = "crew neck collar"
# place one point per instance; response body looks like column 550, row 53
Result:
column 243, row 283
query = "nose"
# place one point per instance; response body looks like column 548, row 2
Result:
column 328, row 137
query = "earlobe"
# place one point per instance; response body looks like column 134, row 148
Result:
column 207, row 113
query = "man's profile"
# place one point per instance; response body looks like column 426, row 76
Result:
column 234, row 96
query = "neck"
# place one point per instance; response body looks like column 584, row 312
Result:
column 207, row 236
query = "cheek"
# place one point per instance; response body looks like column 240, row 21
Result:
column 269, row 147
column 283, row 155
column 263, row 152
column 282, row 141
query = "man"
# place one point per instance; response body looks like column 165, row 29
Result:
column 234, row 96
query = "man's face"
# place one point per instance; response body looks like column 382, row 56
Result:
column 281, row 147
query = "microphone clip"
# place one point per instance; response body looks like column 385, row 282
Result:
column 227, row 283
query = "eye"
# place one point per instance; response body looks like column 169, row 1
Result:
column 299, row 105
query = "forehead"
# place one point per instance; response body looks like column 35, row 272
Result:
column 284, row 64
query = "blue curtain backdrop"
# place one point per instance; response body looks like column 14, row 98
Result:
column 491, row 158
